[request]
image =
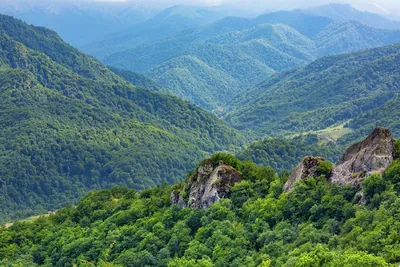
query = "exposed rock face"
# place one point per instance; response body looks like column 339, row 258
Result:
column 307, row 168
column 207, row 186
column 372, row 155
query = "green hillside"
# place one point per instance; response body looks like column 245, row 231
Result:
column 386, row 115
column 203, row 70
column 285, row 154
column 138, row 80
column 69, row 125
column 315, row 224
column 327, row 92
column 235, row 54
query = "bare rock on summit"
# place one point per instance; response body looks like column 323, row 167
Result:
column 372, row 155
column 207, row 186
column 307, row 168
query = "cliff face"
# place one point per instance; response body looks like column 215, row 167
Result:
column 207, row 186
column 372, row 155
column 307, row 168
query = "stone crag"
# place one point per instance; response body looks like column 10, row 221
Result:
column 307, row 168
column 372, row 155
column 207, row 186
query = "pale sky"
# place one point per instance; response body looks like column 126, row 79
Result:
column 383, row 6
column 377, row 6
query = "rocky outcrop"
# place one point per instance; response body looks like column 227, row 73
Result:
column 307, row 168
column 207, row 186
column 372, row 155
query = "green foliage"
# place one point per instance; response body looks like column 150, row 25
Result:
column 392, row 174
column 374, row 184
column 283, row 154
column 325, row 168
column 138, row 80
column 69, row 125
column 316, row 224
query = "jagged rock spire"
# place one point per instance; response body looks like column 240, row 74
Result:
column 307, row 168
column 372, row 155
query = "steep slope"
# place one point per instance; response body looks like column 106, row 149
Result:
column 138, row 80
column 352, row 36
column 386, row 116
column 64, row 132
column 245, row 50
column 328, row 91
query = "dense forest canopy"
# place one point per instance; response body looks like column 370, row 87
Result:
column 315, row 224
column 69, row 125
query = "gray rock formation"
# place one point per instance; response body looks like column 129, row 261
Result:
column 372, row 155
column 307, row 168
column 207, row 186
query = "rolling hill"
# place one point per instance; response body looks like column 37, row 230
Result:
column 346, row 12
column 169, row 21
column 329, row 91
column 210, row 64
column 69, row 125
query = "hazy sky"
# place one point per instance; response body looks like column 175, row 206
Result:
column 381, row 6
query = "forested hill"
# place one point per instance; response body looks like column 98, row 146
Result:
column 138, row 80
column 316, row 223
column 69, row 125
column 208, row 65
column 329, row 91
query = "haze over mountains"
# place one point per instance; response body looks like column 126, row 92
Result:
column 209, row 64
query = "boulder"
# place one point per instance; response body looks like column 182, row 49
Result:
column 372, row 155
column 207, row 186
column 307, row 168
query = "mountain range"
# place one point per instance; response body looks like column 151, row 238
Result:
column 210, row 64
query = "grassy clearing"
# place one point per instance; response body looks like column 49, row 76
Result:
column 330, row 134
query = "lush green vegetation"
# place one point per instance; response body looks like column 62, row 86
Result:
column 209, row 65
column 138, row 80
column 316, row 224
column 327, row 92
column 387, row 115
column 285, row 154
column 69, row 125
